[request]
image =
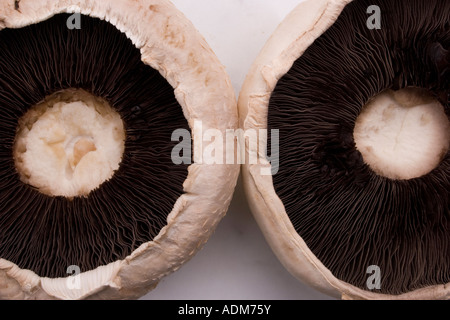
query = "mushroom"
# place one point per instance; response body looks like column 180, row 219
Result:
column 93, row 204
column 357, row 205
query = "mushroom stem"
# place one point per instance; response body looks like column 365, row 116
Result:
column 403, row 134
column 69, row 144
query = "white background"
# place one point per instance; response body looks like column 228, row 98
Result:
column 236, row 263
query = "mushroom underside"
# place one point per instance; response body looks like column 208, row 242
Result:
column 351, row 217
column 47, row 234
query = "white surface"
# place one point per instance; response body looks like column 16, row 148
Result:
column 236, row 263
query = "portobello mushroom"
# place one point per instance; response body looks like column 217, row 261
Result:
column 92, row 203
column 358, row 203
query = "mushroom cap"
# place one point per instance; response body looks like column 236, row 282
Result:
column 308, row 21
column 170, row 44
